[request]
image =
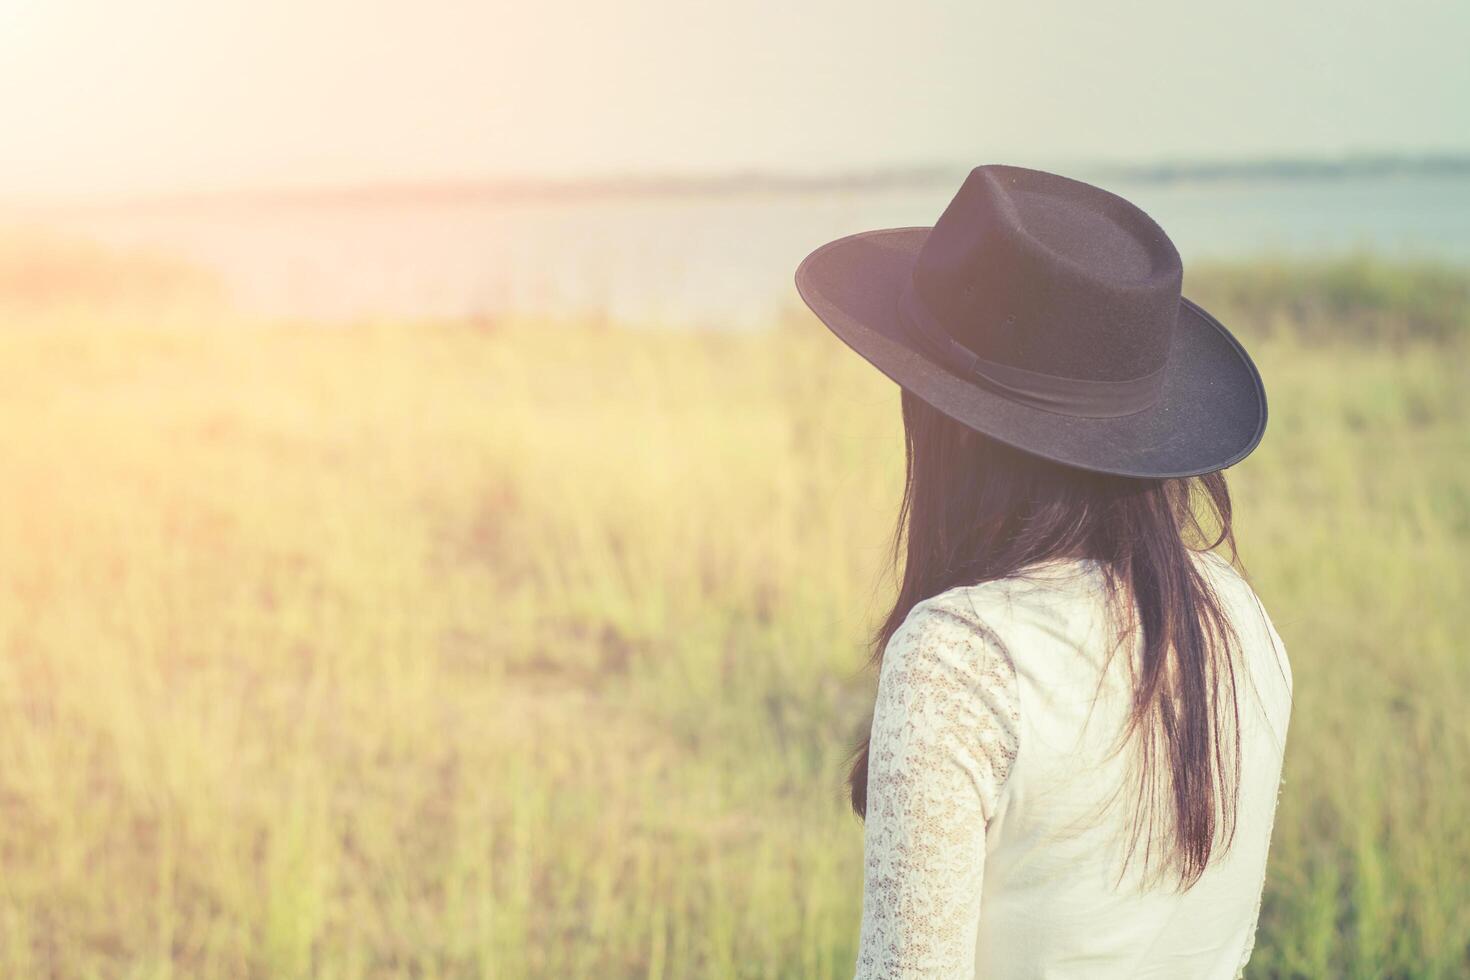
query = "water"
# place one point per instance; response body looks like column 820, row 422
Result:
column 700, row 260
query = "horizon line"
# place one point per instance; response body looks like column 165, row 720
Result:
column 754, row 180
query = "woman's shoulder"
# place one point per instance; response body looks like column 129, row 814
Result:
column 1059, row 598
column 981, row 628
column 952, row 617
column 1046, row 592
column 1247, row 611
column 947, row 683
column 1040, row 590
column 959, row 633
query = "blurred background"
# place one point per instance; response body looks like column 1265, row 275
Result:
column 435, row 542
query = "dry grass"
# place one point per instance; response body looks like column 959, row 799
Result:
column 425, row 650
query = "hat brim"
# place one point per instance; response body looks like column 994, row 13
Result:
column 1210, row 414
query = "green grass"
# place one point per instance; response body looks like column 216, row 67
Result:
column 534, row 650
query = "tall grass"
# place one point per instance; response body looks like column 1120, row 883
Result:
column 534, row 650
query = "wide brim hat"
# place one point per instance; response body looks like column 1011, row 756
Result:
column 1045, row 313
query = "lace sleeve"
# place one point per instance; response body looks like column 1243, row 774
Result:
column 945, row 732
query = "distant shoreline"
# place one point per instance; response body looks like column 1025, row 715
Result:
column 752, row 183
column 1297, row 168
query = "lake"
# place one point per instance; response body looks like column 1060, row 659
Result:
column 687, row 259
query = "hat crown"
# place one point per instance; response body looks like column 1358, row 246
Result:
column 1053, row 275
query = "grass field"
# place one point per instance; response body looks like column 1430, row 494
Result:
column 526, row 649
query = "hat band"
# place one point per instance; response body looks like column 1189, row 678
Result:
column 1081, row 397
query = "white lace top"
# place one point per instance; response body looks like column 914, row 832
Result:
column 990, row 849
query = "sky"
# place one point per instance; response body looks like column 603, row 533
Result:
column 103, row 97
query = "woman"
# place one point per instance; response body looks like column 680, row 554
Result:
column 1075, row 752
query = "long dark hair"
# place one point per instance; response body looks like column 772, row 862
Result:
column 975, row 509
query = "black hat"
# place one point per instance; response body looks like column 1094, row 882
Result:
column 1046, row 313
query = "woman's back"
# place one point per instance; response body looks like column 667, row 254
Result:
column 999, row 812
